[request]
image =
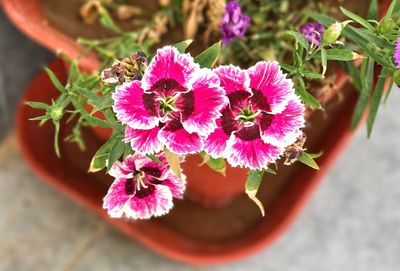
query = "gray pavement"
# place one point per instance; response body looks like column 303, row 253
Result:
column 351, row 223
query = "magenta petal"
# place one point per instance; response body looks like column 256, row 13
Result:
column 215, row 143
column 158, row 203
column 144, row 141
column 268, row 78
column 253, row 154
column 116, row 198
column 130, row 108
column 285, row 127
column 178, row 140
column 233, row 78
column 169, row 63
column 200, row 108
column 175, row 184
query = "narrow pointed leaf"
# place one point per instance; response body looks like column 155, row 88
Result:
column 308, row 160
column 183, row 45
column 209, row 57
column 376, row 100
column 55, row 80
column 373, row 10
column 364, row 94
column 357, row 18
column 253, row 181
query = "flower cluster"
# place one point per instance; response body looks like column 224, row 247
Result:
column 248, row 117
column 142, row 188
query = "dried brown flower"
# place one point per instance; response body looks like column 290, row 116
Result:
column 126, row 12
column 215, row 13
column 294, row 151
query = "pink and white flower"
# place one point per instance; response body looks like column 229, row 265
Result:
column 262, row 118
column 142, row 188
column 175, row 105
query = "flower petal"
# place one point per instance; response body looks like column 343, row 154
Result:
column 175, row 184
column 178, row 140
column 200, row 108
column 169, row 63
column 158, row 202
column 233, row 79
column 268, row 78
column 133, row 107
column 144, row 141
column 285, row 127
column 215, row 144
column 116, row 198
column 253, row 154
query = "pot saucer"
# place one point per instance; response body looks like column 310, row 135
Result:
column 191, row 232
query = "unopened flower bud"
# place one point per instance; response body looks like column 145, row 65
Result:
column 386, row 26
column 56, row 113
column 333, row 32
column 396, row 77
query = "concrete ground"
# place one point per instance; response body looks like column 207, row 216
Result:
column 351, row 223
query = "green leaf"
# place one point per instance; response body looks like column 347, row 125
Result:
column 55, row 80
column 312, row 75
column 270, row 171
column 155, row 159
column 103, row 102
column 305, row 96
column 107, row 21
column 299, row 38
column 373, row 10
column 213, row 163
column 253, row 181
column 289, row 68
column 324, row 61
column 393, row 8
column 357, row 18
column 116, row 151
column 308, row 160
column 209, row 57
column 376, row 100
column 99, row 160
column 183, row 45
column 341, row 54
column 38, row 105
column 366, row 87
column 174, row 162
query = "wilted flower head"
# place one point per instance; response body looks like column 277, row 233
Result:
column 313, row 32
column 142, row 188
column 294, row 151
column 175, row 105
column 262, row 118
column 125, row 69
column 396, row 55
column 234, row 23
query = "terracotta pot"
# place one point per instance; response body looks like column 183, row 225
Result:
column 229, row 232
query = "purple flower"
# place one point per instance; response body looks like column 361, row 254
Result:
column 234, row 24
column 313, row 32
column 397, row 53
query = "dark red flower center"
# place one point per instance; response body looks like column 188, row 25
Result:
column 168, row 97
column 143, row 182
column 246, row 114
